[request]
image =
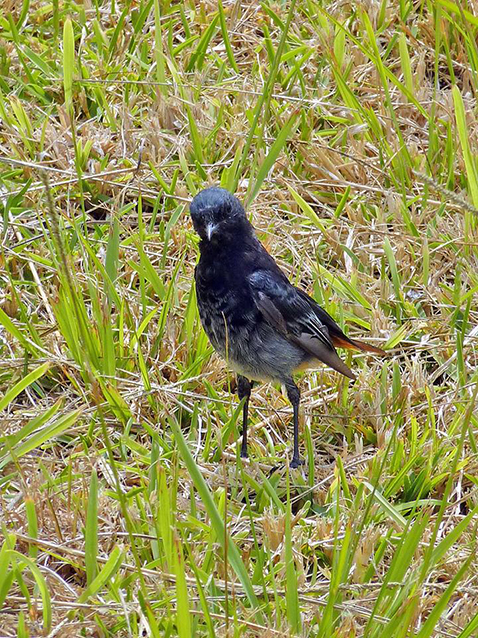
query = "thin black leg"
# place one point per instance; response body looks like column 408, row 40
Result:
column 244, row 387
column 294, row 397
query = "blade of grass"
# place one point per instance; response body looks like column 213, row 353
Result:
column 68, row 65
column 30, row 378
column 464, row 136
column 264, row 100
column 430, row 624
column 292, row 588
column 225, row 37
column 470, row 629
column 215, row 517
column 91, row 531
column 32, row 522
column 158, row 49
column 23, row 561
column 8, row 324
column 38, row 438
column 182, row 600
column 106, row 573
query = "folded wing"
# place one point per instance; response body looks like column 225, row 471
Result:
column 294, row 314
column 338, row 338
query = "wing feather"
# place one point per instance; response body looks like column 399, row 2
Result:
column 290, row 314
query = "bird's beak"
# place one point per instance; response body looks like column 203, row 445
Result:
column 210, row 228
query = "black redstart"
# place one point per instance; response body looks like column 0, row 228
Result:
column 263, row 326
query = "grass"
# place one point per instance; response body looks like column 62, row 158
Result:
column 350, row 131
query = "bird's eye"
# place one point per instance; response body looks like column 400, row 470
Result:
column 224, row 212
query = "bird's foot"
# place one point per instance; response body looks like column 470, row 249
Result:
column 296, row 462
column 244, row 454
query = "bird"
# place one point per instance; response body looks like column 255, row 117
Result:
column 264, row 327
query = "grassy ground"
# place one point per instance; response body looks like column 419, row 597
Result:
column 350, row 131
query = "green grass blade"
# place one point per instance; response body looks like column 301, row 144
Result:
column 68, row 64
column 430, row 624
column 8, row 324
column 182, row 605
column 225, row 37
column 39, row 438
column 447, row 543
column 471, row 629
column 457, row 8
column 393, row 268
column 23, row 561
column 30, row 378
column 91, row 531
column 32, row 521
column 216, row 521
column 112, row 250
column 264, row 99
column 106, row 573
column 158, row 49
column 272, row 156
column 470, row 163
column 197, row 58
column 292, row 596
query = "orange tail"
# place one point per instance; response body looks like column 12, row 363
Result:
column 352, row 344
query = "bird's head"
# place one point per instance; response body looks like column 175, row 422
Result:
column 216, row 213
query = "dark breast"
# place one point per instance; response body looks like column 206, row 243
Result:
column 230, row 316
column 224, row 299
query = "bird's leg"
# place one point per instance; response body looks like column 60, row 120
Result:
column 294, row 397
column 244, row 387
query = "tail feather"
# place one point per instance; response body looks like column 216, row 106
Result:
column 323, row 352
column 352, row 344
column 334, row 361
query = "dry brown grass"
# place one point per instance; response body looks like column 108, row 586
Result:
column 386, row 242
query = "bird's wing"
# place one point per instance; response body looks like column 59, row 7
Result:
column 337, row 336
column 290, row 312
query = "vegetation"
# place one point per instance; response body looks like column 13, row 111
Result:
column 350, row 132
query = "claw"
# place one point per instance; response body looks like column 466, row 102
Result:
column 296, row 462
